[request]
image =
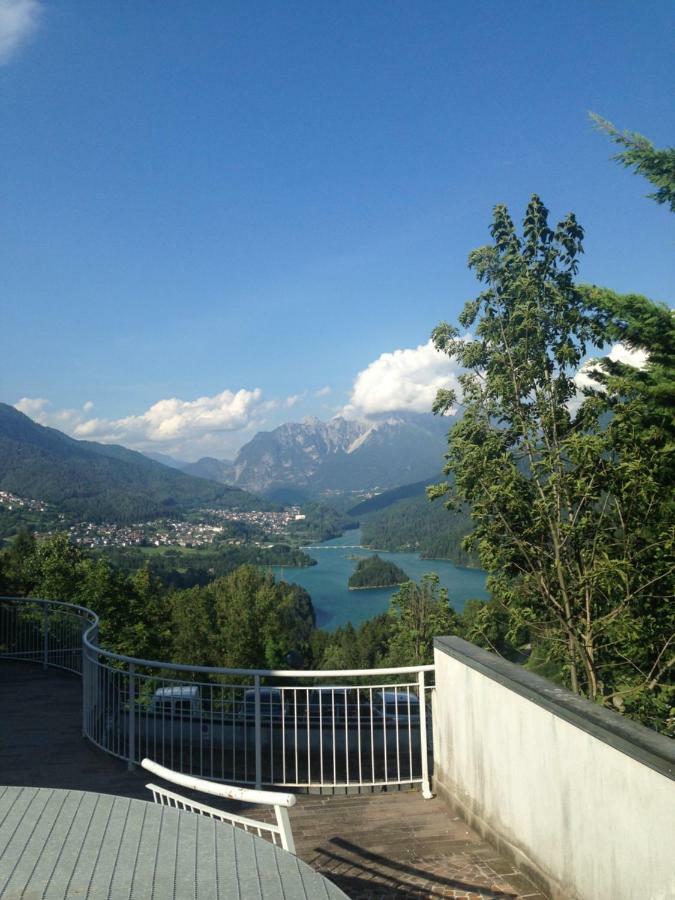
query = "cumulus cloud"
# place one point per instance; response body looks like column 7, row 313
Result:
column 18, row 20
column 204, row 425
column 621, row 353
column 618, row 353
column 323, row 392
column 35, row 407
column 405, row 380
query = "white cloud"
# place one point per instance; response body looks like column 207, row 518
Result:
column 618, row 353
column 402, row 380
column 18, row 20
column 621, row 353
column 187, row 427
column 35, row 407
column 41, row 410
column 323, row 392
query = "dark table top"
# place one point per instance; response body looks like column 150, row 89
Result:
column 58, row 844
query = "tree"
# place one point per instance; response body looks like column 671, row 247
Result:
column 658, row 166
column 566, row 508
column 418, row 613
column 15, row 564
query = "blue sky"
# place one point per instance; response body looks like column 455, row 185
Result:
column 214, row 213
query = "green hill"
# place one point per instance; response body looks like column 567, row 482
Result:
column 375, row 572
column 99, row 482
column 415, row 524
column 387, row 498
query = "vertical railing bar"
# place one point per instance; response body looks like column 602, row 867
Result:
column 242, row 725
column 332, row 697
column 320, row 697
column 309, row 757
column 383, row 693
column 410, row 738
column 45, row 637
column 398, row 747
column 258, row 735
column 132, row 717
column 372, row 737
column 295, row 732
column 426, row 787
column 283, row 734
column 358, row 720
column 347, row 723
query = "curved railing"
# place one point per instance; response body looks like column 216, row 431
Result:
column 298, row 729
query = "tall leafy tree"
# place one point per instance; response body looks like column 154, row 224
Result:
column 559, row 495
column 419, row 612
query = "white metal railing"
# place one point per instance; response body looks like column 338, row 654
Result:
column 299, row 729
column 280, row 833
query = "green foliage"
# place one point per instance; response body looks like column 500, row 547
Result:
column 415, row 525
column 486, row 624
column 244, row 620
column 569, row 507
column 365, row 647
column 419, row 612
column 185, row 568
column 373, row 571
column 321, row 523
column 658, row 166
column 15, row 564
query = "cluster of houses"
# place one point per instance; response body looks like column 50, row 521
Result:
column 11, row 501
column 269, row 522
column 144, row 534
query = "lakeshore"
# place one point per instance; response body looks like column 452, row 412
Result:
column 335, row 605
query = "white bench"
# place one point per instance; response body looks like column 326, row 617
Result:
column 279, row 833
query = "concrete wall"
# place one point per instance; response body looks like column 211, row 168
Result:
column 578, row 795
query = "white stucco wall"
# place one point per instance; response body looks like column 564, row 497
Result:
column 597, row 822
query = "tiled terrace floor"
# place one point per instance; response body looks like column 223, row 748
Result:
column 388, row 845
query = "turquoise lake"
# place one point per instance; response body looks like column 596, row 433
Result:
column 336, row 605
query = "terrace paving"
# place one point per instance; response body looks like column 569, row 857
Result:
column 373, row 846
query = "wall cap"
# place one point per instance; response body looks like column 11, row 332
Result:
column 641, row 743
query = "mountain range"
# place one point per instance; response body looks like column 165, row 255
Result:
column 99, row 482
column 341, row 455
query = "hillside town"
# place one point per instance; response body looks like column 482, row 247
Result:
column 206, row 526
column 269, row 522
column 12, row 501
column 180, row 533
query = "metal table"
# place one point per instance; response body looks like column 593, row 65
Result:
column 58, row 844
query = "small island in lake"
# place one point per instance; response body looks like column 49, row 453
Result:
column 375, row 572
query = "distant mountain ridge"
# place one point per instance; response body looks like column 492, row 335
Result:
column 99, row 482
column 338, row 455
column 208, row 467
column 388, row 498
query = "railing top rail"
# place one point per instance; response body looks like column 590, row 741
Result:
column 81, row 609
column 245, row 795
column 216, row 670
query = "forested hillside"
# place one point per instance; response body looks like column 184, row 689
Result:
column 181, row 568
column 99, row 482
column 418, row 525
column 387, row 498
